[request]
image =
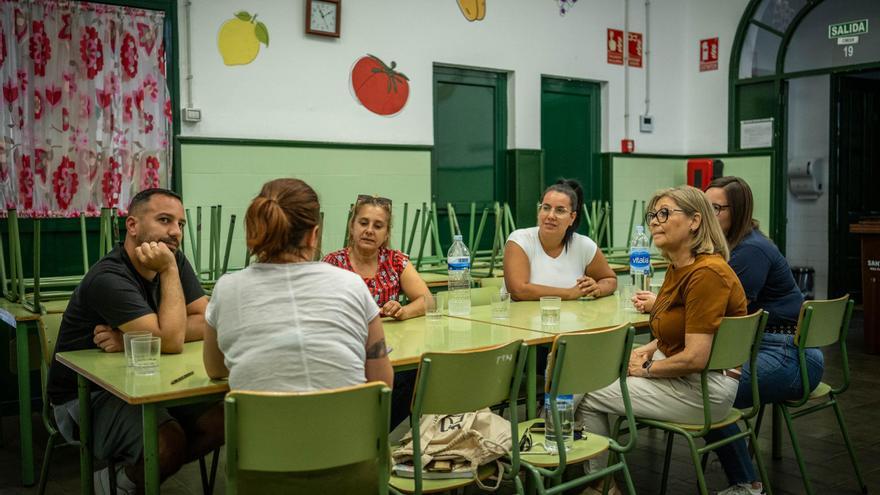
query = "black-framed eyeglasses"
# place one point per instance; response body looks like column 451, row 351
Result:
column 369, row 198
column 719, row 208
column 559, row 211
column 662, row 215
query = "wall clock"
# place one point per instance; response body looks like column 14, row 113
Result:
column 323, row 17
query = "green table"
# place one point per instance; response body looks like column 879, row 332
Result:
column 19, row 318
column 579, row 315
column 109, row 371
column 408, row 340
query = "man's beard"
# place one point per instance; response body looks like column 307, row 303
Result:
column 169, row 241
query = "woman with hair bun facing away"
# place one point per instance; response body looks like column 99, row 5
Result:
column 287, row 323
column 552, row 259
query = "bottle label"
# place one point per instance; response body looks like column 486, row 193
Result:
column 458, row 263
column 639, row 261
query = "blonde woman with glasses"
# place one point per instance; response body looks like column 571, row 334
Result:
column 552, row 259
column 699, row 290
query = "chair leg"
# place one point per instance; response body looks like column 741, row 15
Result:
column 630, row 487
column 666, row 461
column 214, row 462
column 47, row 460
column 765, row 480
column 776, row 434
column 701, row 480
column 795, row 446
column 849, row 447
column 111, row 468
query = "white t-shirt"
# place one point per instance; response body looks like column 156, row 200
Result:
column 562, row 271
column 292, row 327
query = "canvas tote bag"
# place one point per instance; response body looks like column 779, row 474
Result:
column 466, row 440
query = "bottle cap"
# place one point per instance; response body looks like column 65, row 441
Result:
column 456, row 237
column 640, row 229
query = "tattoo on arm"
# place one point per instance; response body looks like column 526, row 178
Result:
column 377, row 350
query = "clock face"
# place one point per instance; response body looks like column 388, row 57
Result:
column 323, row 16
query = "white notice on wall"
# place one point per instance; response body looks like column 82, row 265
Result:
column 757, row 133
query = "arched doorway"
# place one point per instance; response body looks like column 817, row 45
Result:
column 811, row 70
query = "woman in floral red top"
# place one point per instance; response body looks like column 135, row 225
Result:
column 386, row 272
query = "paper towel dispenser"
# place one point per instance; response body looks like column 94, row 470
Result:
column 804, row 178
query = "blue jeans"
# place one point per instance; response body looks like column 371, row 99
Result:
column 780, row 380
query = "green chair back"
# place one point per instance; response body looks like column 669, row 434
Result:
column 270, row 432
column 590, row 362
column 480, row 296
column 824, row 323
column 457, row 382
column 49, row 326
column 732, row 344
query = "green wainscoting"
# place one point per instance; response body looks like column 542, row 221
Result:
column 639, row 176
column 231, row 172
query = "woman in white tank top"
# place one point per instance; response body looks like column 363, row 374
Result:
column 552, row 259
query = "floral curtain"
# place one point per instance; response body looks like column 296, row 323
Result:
column 86, row 112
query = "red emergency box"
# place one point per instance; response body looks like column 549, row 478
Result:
column 701, row 171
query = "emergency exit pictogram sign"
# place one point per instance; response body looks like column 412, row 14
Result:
column 709, row 54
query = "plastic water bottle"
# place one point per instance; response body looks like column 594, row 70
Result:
column 458, row 262
column 640, row 260
column 565, row 405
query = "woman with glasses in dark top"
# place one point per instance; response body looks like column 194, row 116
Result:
column 552, row 259
column 387, row 272
column 769, row 284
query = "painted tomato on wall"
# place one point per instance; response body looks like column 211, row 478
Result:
column 378, row 87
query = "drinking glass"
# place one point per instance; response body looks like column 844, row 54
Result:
column 551, row 307
column 434, row 305
column 501, row 305
column 126, row 343
column 145, row 352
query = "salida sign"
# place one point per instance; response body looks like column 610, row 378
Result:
column 709, row 54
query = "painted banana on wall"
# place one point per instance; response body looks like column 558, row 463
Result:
column 472, row 10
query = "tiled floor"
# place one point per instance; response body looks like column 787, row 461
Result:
column 826, row 456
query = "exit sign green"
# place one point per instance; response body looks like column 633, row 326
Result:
column 849, row 28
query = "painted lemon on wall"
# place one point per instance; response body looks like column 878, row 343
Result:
column 473, row 10
column 239, row 39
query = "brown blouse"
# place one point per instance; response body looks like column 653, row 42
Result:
column 693, row 299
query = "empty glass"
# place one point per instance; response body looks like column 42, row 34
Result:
column 145, row 352
column 501, row 305
column 126, row 343
column 551, row 307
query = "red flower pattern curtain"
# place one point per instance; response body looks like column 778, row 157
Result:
column 86, row 111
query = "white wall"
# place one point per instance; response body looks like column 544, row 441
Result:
column 705, row 100
column 298, row 88
column 808, row 138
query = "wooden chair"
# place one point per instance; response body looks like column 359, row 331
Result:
column 306, row 442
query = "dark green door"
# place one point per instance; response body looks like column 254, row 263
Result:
column 570, row 133
column 855, row 151
column 470, row 139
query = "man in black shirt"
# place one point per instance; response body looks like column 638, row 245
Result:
column 143, row 284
